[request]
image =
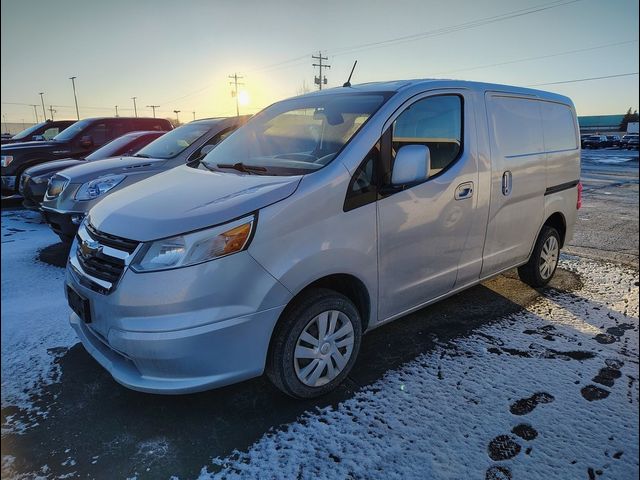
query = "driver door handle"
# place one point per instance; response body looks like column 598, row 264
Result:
column 464, row 190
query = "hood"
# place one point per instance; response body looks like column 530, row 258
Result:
column 87, row 171
column 52, row 167
column 184, row 199
column 44, row 145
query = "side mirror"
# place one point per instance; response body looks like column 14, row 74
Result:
column 412, row 164
column 86, row 141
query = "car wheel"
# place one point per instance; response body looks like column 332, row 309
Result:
column 315, row 344
column 542, row 264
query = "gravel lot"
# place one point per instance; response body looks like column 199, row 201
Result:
column 501, row 381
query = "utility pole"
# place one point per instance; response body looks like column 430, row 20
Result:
column 320, row 79
column 194, row 116
column 177, row 119
column 135, row 109
column 44, row 112
column 52, row 111
column 116, row 110
column 75, row 97
column 35, row 111
column 234, row 93
column 6, row 127
column 153, row 107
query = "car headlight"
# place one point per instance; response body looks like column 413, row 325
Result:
column 56, row 185
column 5, row 160
column 99, row 186
column 196, row 247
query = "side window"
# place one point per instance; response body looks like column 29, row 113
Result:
column 558, row 126
column 99, row 134
column 49, row 133
column 363, row 188
column 435, row 122
column 118, row 128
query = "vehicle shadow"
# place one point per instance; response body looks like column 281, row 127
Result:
column 110, row 431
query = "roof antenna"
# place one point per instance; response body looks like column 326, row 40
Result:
column 348, row 82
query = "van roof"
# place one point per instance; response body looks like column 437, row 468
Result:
column 428, row 83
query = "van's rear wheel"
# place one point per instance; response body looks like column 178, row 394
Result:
column 542, row 264
column 315, row 344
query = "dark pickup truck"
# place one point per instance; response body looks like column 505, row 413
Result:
column 78, row 140
column 41, row 131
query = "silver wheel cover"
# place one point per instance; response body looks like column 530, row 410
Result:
column 549, row 257
column 323, row 348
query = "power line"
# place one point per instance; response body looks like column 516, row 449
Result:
column 584, row 79
column 528, row 59
column 454, row 28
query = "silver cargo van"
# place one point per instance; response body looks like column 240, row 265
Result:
column 325, row 216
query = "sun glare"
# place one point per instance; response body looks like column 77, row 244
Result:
column 243, row 97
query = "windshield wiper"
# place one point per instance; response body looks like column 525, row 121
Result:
column 141, row 155
column 241, row 167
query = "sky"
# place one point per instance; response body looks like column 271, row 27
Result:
column 179, row 54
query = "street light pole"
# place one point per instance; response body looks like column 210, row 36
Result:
column 52, row 111
column 116, row 110
column 194, row 116
column 177, row 119
column 135, row 109
column 75, row 97
column 6, row 127
column 35, row 111
column 44, row 112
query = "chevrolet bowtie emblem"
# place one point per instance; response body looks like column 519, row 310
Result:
column 90, row 247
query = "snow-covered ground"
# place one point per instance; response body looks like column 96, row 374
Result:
column 35, row 328
column 551, row 392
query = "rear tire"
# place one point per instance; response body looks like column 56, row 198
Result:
column 315, row 344
column 542, row 264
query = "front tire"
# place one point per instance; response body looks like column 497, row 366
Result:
column 542, row 264
column 315, row 344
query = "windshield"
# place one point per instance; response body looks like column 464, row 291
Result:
column 111, row 149
column 296, row 136
column 70, row 132
column 174, row 142
column 27, row 131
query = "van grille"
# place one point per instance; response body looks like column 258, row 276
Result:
column 94, row 261
column 123, row 244
column 100, row 265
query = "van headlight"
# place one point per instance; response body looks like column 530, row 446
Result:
column 99, row 186
column 196, row 247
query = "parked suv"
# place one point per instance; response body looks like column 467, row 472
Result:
column 73, row 191
column 325, row 216
column 32, row 184
column 624, row 141
column 78, row 140
column 596, row 141
column 41, row 131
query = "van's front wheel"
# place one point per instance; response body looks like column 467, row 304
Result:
column 315, row 344
column 542, row 264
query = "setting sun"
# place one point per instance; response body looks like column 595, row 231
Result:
column 243, row 97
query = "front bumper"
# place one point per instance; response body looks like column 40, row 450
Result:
column 182, row 330
column 32, row 192
column 63, row 223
